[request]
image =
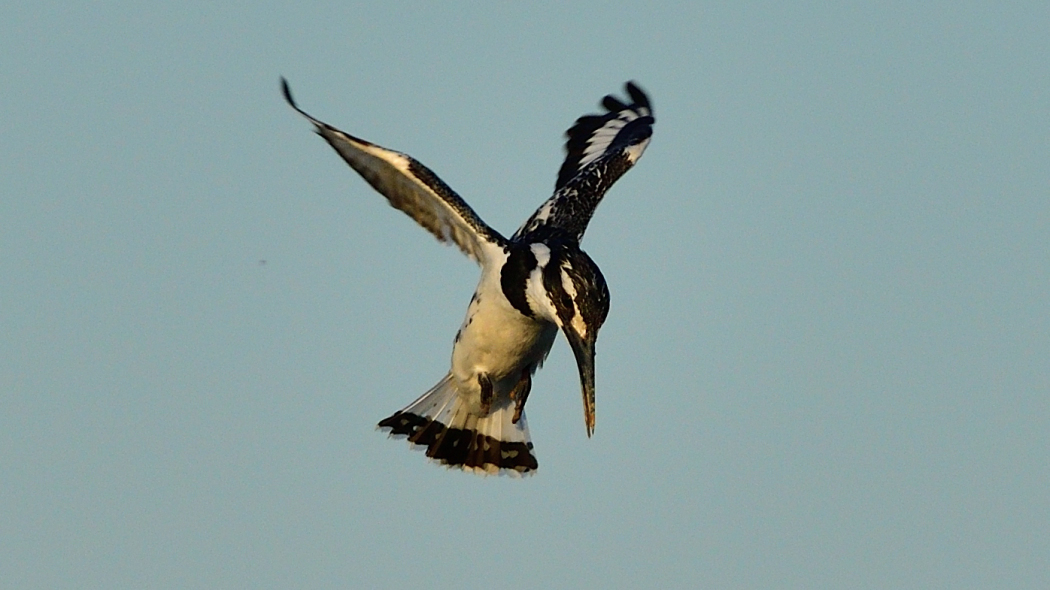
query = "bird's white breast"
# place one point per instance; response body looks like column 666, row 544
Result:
column 497, row 340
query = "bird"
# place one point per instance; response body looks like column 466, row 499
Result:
column 533, row 285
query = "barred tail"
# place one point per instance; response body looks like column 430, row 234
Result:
column 440, row 421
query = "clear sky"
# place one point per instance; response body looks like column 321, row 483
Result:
column 827, row 363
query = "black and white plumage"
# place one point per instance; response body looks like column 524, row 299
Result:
column 532, row 285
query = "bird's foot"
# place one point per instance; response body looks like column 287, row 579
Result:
column 519, row 394
column 486, row 393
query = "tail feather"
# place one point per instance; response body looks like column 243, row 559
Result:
column 452, row 435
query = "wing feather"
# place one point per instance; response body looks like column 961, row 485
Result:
column 599, row 149
column 410, row 187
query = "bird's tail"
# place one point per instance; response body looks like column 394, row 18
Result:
column 441, row 422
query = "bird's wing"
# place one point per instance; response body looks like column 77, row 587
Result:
column 599, row 149
column 410, row 187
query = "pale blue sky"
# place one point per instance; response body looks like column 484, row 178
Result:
column 827, row 363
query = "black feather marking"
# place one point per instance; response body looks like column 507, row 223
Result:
column 459, row 447
column 514, row 275
column 611, row 103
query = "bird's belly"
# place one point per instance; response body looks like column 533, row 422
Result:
column 498, row 341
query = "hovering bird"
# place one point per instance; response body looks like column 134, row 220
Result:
column 533, row 284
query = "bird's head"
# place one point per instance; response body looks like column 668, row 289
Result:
column 580, row 299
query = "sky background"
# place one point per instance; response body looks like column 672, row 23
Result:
column 827, row 363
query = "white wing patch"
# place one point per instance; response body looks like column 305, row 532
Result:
column 604, row 135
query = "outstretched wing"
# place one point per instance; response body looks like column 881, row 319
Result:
column 410, row 187
column 599, row 150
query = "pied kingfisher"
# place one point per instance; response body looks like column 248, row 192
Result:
column 532, row 284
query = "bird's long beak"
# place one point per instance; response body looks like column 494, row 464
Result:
column 583, row 348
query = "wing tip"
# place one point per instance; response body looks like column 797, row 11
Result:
column 287, row 92
column 638, row 96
